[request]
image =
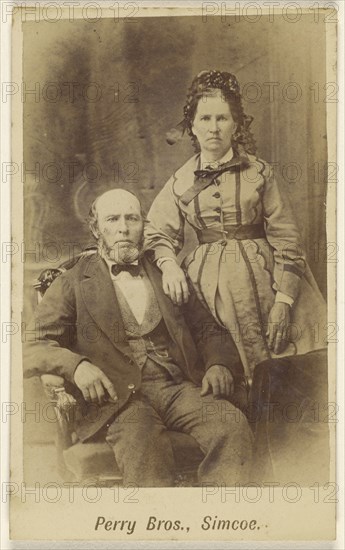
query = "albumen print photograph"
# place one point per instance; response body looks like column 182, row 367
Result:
column 174, row 243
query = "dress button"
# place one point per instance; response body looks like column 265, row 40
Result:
column 218, row 209
column 217, row 181
column 216, row 195
column 131, row 386
column 217, row 219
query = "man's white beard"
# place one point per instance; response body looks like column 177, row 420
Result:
column 120, row 253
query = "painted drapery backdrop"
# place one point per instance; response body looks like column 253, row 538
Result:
column 99, row 98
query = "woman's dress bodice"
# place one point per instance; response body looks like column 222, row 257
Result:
column 225, row 202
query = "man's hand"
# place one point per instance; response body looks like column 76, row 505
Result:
column 93, row 383
column 220, row 380
column 174, row 282
column 278, row 324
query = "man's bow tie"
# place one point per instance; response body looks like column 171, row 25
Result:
column 133, row 269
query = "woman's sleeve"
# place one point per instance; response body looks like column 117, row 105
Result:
column 283, row 235
column 164, row 229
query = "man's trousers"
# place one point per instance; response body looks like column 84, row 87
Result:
column 142, row 447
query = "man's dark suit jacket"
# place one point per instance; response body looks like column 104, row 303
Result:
column 79, row 318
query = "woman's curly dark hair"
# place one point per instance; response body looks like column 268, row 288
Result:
column 204, row 84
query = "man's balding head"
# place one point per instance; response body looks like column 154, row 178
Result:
column 121, row 197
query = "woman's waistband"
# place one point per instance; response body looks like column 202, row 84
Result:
column 239, row 232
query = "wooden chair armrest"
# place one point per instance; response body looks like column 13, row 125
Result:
column 64, row 403
column 51, row 383
column 54, row 387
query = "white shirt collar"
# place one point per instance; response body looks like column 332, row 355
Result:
column 214, row 163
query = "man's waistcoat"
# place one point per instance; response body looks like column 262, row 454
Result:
column 149, row 339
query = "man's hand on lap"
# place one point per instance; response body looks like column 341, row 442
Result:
column 219, row 380
column 93, row 383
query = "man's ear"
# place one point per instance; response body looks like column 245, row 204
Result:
column 95, row 231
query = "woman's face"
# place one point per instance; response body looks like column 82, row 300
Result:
column 213, row 126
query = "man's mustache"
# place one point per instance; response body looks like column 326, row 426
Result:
column 122, row 251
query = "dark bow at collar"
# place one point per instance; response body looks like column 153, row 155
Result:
column 204, row 178
column 132, row 269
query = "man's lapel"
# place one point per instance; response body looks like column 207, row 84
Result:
column 100, row 300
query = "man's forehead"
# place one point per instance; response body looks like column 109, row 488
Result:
column 117, row 202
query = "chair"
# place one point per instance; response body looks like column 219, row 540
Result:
column 291, row 418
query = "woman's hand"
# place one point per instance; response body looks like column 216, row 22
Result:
column 174, row 282
column 278, row 324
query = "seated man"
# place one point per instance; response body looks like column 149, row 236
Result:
column 135, row 362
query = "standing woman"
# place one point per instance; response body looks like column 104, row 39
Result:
column 249, row 268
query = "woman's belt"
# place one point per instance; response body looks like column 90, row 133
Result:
column 239, row 232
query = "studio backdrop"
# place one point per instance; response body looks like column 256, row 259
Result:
column 100, row 97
